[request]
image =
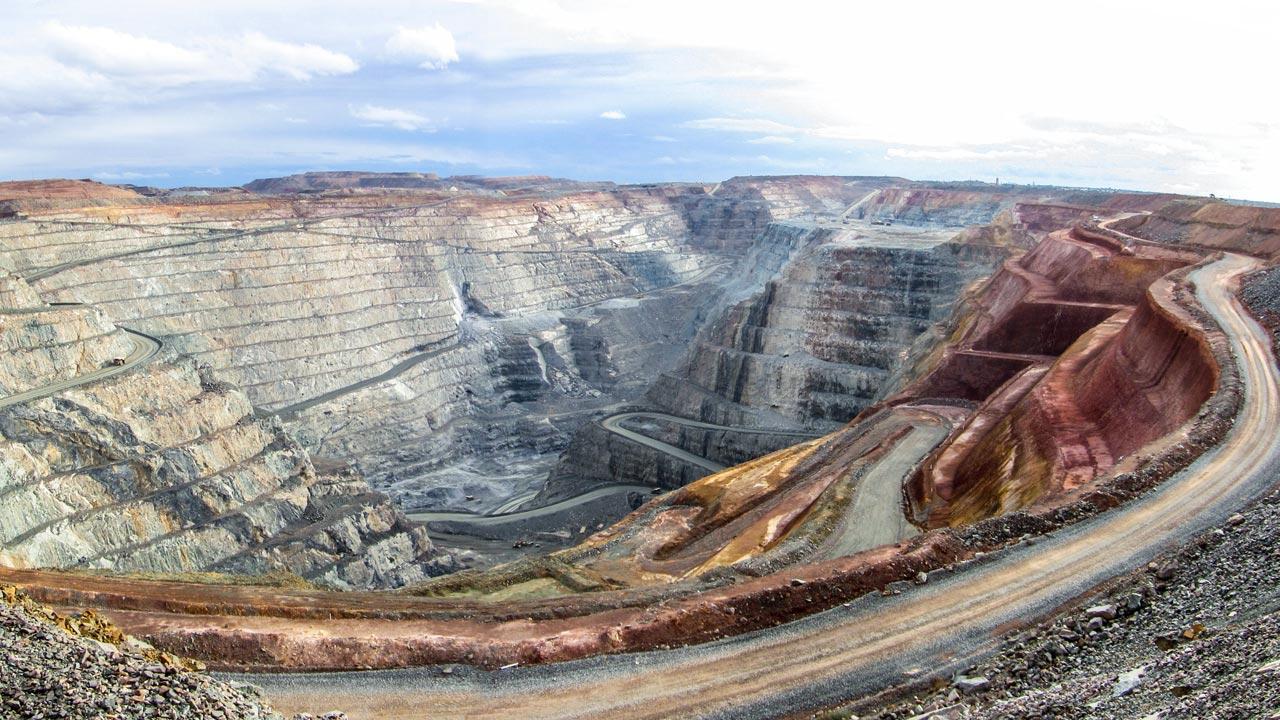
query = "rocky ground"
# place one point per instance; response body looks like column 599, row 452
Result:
column 1262, row 294
column 82, row 667
column 1195, row 635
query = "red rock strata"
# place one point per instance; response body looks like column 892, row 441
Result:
column 1212, row 224
column 1084, row 357
column 259, row 628
column 1119, row 363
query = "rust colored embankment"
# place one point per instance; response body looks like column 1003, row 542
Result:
column 1211, row 224
column 249, row 636
column 1131, row 380
column 1131, row 366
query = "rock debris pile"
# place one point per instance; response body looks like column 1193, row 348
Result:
column 59, row 667
column 1195, row 634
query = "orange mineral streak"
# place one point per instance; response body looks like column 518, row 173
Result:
column 1211, row 224
column 66, row 193
column 1065, row 362
column 1079, row 353
column 257, row 628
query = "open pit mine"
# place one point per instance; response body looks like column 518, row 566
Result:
column 409, row 446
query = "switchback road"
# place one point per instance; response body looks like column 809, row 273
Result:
column 613, row 424
column 876, row 641
column 145, row 347
column 501, row 518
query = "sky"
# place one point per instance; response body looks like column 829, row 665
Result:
column 1157, row 96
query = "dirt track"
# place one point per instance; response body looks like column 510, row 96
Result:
column 145, row 347
column 876, row 641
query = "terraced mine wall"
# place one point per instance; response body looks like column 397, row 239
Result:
column 727, row 447
column 565, row 626
column 448, row 345
column 596, row 457
column 162, row 468
column 1114, row 376
column 1104, row 360
column 432, row 298
column 442, row 340
column 1212, row 224
column 437, row 341
column 43, row 344
column 816, row 345
column 925, row 206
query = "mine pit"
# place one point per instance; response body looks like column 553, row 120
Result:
column 341, row 421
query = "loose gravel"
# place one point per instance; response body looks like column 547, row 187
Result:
column 1194, row 635
column 54, row 666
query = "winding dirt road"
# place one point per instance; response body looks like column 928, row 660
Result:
column 613, row 424
column 499, row 518
column 35, row 275
column 876, row 641
column 507, row 512
column 145, row 347
column 875, row 516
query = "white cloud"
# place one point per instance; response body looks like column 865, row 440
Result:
column 743, row 125
column 772, row 140
column 765, row 71
column 257, row 52
column 613, row 115
column 966, row 153
column 46, row 85
column 116, row 53
column 129, row 175
column 663, row 138
column 395, row 117
column 119, row 62
column 432, row 47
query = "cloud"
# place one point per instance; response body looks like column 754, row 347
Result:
column 116, row 53
column 257, row 53
column 395, row 117
column 613, row 115
column 84, row 77
column 432, row 47
column 129, row 175
column 663, row 138
column 772, row 140
column 135, row 61
column 46, row 85
column 745, row 125
column 951, row 154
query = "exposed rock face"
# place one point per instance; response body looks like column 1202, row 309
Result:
column 84, row 668
column 927, row 206
column 1114, row 363
column 432, row 337
column 449, row 337
column 43, row 344
column 32, row 195
column 164, row 469
column 315, row 182
column 817, row 344
column 837, row 310
column 1213, row 224
column 1116, row 360
column 428, row 296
